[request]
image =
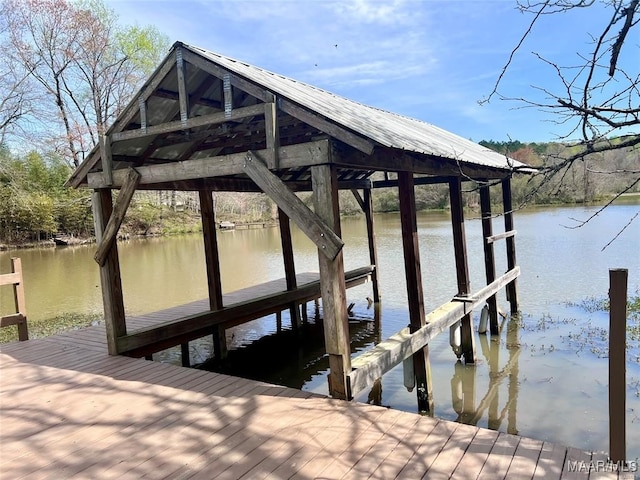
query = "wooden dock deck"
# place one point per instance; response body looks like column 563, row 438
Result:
column 69, row 410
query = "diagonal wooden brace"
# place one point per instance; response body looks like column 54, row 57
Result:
column 319, row 232
column 115, row 220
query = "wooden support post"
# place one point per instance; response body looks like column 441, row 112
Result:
column 106, row 158
column 289, row 265
column 373, row 251
column 110, row 278
column 617, row 363
column 512, row 288
column 514, row 378
column 21, row 304
column 212, row 260
column 415, row 296
column 272, row 131
column 332, row 283
column 16, row 280
column 183, row 97
column 489, row 258
column 462, row 268
column 184, row 350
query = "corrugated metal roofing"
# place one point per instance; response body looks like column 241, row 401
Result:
column 386, row 128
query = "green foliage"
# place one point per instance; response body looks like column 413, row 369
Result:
column 595, row 177
column 143, row 46
column 34, row 204
column 386, row 200
column 53, row 326
column 142, row 217
column 503, row 147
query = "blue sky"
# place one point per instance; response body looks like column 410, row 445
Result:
column 431, row 60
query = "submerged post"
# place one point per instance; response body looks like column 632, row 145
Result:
column 415, row 296
column 512, row 287
column 617, row 363
column 489, row 258
column 332, row 284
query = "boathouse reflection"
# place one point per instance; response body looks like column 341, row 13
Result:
column 463, row 383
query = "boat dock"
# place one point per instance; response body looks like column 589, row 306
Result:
column 70, row 410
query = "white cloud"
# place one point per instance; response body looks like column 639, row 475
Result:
column 375, row 11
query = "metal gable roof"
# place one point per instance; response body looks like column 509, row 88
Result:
column 385, row 128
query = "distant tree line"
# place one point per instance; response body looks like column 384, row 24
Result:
column 35, row 206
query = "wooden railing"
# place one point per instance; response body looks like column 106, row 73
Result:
column 372, row 364
column 20, row 318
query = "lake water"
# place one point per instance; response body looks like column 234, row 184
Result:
column 546, row 377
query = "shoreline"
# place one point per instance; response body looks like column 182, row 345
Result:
column 67, row 240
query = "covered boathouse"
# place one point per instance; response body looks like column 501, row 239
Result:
column 204, row 122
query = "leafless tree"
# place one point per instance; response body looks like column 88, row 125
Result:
column 596, row 99
column 83, row 62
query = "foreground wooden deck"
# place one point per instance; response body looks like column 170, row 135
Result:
column 71, row 411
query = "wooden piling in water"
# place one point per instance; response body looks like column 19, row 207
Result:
column 289, row 264
column 489, row 257
column 512, row 288
column 334, row 299
column 617, row 363
column 212, row 260
column 462, row 267
column 373, row 250
column 415, row 296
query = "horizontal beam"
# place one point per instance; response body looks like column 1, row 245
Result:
column 416, row 181
column 202, row 121
column 167, row 334
column 238, row 184
column 290, row 156
column 388, row 159
column 371, row 365
column 501, row 236
column 14, row 319
column 10, row 279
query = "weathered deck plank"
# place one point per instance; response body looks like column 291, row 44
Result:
column 69, row 410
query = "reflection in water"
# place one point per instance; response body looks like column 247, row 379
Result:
column 286, row 356
column 375, row 395
column 463, row 383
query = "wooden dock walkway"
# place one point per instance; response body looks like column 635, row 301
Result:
column 69, row 410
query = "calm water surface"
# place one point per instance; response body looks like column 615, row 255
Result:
column 546, row 377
